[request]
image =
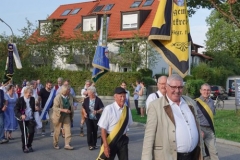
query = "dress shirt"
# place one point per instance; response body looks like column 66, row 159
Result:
column 186, row 128
column 28, row 110
column 152, row 97
column 110, row 117
column 137, row 89
column 202, row 118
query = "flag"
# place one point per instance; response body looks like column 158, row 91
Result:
column 170, row 34
column 100, row 61
column 12, row 55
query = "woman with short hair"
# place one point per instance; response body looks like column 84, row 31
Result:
column 63, row 110
column 93, row 108
column 24, row 111
column 10, row 122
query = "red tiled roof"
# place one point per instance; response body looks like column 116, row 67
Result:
column 114, row 31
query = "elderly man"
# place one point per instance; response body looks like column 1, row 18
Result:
column 172, row 129
column 161, row 84
column 114, row 123
column 206, row 110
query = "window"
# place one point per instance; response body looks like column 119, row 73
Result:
column 89, row 24
column 163, row 70
column 130, row 21
column 78, row 26
column 75, row 11
column 148, row 3
column 135, row 4
column 108, row 7
column 45, row 28
column 98, row 8
column 66, row 12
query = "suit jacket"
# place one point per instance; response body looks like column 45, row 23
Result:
column 21, row 106
column 160, row 138
column 98, row 105
column 58, row 103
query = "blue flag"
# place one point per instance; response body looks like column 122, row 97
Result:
column 100, row 61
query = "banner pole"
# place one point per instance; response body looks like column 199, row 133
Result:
column 169, row 70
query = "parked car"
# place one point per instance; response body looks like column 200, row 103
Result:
column 218, row 91
column 231, row 91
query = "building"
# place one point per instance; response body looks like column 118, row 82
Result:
column 128, row 18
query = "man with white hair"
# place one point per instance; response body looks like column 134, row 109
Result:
column 161, row 84
column 172, row 128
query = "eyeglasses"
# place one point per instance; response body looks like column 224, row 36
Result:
column 176, row 87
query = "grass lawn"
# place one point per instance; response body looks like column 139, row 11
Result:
column 227, row 125
column 226, row 122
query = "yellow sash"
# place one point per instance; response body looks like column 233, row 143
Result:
column 115, row 132
column 206, row 107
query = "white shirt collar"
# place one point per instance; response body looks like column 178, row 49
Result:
column 171, row 102
column 117, row 106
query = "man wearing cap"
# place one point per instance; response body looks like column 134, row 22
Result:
column 114, row 123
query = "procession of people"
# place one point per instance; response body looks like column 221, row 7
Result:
column 55, row 105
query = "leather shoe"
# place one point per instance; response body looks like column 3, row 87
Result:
column 30, row 149
column 68, row 147
column 25, row 150
column 56, row 146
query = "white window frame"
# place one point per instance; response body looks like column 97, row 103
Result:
column 44, row 28
column 130, row 21
column 89, row 24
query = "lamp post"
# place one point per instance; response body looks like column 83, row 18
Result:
column 11, row 40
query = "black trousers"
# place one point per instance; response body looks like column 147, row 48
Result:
column 136, row 106
column 92, row 129
column 121, row 149
column 30, row 129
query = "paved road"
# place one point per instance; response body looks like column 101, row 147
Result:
column 44, row 150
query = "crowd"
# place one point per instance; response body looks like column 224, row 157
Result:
column 177, row 128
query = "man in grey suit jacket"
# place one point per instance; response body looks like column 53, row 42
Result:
column 172, row 129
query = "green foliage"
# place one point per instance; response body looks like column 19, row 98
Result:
column 191, row 88
column 222, row 36
column 109, row 81
column 229, row 10
column 203, row 71
column 105, row 85
column 148, row 81
column 146, row 72
column 226, row 124
column 159, row 75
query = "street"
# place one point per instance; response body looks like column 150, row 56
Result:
column 45, row 151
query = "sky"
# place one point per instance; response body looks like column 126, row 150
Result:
column 15, row 12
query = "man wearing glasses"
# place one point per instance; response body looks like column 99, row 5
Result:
column 172, row 129
column 161, row 84
column 206, row 110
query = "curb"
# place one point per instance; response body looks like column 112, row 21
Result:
column 218, row 140
column 232, row 143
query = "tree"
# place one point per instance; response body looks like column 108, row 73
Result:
column 45, row 41
column 228, row 9
column 222, row 36
column 136, row 52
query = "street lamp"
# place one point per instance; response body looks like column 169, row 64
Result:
column 11, row 40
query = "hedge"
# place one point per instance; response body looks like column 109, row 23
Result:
column 105, row 85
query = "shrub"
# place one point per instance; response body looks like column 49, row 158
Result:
column 146, row 72
column 192, row 87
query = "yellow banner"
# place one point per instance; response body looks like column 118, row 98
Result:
column 170, row 34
